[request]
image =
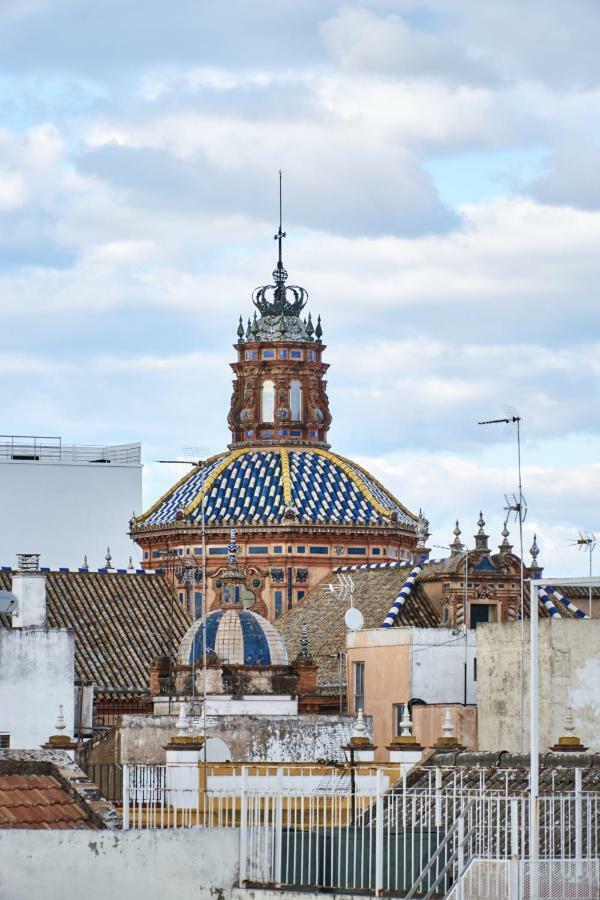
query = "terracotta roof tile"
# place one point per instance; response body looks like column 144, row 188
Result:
column 39, row 801
column 120, row 621
column 374, row 592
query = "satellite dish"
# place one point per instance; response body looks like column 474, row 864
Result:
column 8, row 602
column 354, row 619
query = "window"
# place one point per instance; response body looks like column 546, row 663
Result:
column 156, row 554
column 300, row 549
column 198, row 551
column 296, row 354
column 312, row 355
column 283, row 354
column 296, row 433
column 319, row 550
column 398, row 711
column 278, row 603
column 181, row 598
column 217, row 551
column 376, row 551
column 357, row 551
column 282, row 432
column 250, row 433
column 314, row 434
column 268, row 401
column 278, row 549
column 145, row 554
column 296, row 400
column 258, row 550
column 268, row 354
column 197, row 604
column 4, row 741
column 359, row 686
column 475, row 669
column 251, row 354
column 299, row 595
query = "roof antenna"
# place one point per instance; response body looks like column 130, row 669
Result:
column 280, row 234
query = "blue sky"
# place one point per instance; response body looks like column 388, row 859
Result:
column 442, row 205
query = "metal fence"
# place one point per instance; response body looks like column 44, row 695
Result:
column 369, row 832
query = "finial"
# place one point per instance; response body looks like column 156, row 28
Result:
column 108, row 558
column 534, row 550
column 183, row 723
column 405, row 722
column 318, row 330
column 85, row 564
column 360, row 729
column 248, row 330
column 456, row 545
column 60, row 721
column 481, row 538
column 131, row 567
column 505, row 546
column 481, row 523
column 232, row 549
column 280, row 234
column 422, row 529
column 447, row 726
column 304, row 642
column 254, row 326
column 310, row 328
column 569, row 725
column 240, row 330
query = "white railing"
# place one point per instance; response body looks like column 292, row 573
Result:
column 368, row 831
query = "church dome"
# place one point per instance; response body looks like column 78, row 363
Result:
column 237, row 637
column 249, row 486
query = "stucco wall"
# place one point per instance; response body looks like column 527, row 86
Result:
column 569, row 675
column 138, row 865
column 36, row 676
column 403, row 664
column 79, row 509
column 141, row 739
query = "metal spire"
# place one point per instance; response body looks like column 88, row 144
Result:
column 280, row 234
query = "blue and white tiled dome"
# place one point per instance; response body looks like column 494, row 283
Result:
column 254, row 486
column 237, row 637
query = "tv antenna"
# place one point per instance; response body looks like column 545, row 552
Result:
column 517, row 507
column 587, row 542
column 345, row 590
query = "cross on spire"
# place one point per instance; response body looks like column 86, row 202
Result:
column 280, row 234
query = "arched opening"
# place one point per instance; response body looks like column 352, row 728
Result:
column 296, row 400
column 268, row 401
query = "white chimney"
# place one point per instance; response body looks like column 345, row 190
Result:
column 29, row 587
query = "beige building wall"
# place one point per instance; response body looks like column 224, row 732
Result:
column 403, row 664
column 569, row 675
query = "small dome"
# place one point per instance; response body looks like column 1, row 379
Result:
column 237, row 637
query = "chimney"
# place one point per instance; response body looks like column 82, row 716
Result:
column 29, row 587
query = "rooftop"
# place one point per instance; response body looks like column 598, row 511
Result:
column 19, row 448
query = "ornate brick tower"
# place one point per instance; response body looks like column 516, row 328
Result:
column 299, row 510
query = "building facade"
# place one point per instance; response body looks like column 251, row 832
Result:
column 298, row 508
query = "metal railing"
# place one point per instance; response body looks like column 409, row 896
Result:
column 330, row 829
column 38, row 448
column 108, row 778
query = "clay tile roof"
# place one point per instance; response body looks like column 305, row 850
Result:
column 121, row 623
column 374, row 593
column 39, row 801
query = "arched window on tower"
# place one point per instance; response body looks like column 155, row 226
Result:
column 296, row 400
column 268, row 401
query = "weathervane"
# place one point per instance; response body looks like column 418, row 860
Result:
column 272, row 299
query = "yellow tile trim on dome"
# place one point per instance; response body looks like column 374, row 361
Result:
column 175, row 487
column 286, row 478
column 228, row 459
column 347, row 466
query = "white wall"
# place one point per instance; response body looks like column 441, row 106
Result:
column 438, row 656
column 64, row 511
column 36, row 676
column 138, row 865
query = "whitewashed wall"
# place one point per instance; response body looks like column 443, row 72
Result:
column 437, row 661
column 64, row 511
column 138, row 865
column 36, row 676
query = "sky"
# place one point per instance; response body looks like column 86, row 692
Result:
column 442, row 207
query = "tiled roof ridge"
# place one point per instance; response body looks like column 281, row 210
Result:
column 66, row 570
